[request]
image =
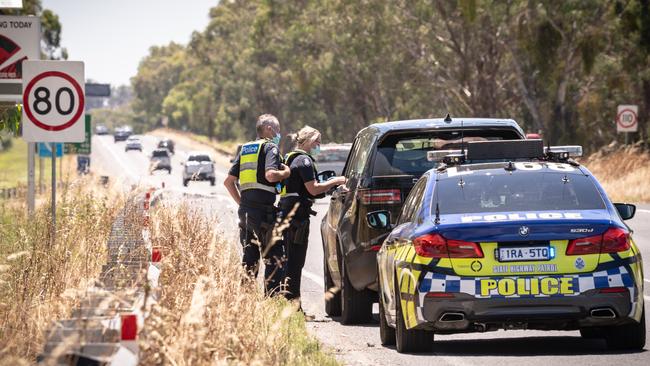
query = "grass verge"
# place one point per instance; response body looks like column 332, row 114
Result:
column 210, row 311
column 39, row 280
column 624, row 172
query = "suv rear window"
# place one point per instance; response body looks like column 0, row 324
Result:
column 406, row 153
column 199, row 158
column 160, row 153
column 522, row 191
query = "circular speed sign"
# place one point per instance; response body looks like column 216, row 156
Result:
column 626, row 118
column 53, row 100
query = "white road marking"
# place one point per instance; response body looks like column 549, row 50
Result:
column 646, row 280
column 314, row 277
column 127, row 168
column 642, row 210
column 646, row 297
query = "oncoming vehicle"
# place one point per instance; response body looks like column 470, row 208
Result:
column 101, row 130
column 199, row 166
column 506, row 235
column 160, row 160
column 333, row 157
column 133, row 143
column 166, row 144
column 385, row 161
column 122, row 133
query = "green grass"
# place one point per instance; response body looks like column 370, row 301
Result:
column 13, row 166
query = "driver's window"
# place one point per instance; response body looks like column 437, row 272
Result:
column 413, row 203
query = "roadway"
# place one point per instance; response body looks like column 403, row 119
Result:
column 360, row 345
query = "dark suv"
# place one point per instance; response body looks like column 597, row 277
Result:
column 385, row 162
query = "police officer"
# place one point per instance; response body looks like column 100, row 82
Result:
column 259, row 169
column 298, row 194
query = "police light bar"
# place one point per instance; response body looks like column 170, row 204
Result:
column 505, row 149
column 439, row 155
column 573, row 151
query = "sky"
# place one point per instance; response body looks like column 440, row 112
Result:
column 112, row 36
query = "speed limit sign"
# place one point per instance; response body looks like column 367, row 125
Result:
column 627, row 118
column 53, row 101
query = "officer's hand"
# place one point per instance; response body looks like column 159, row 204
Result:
column 284, row 167
column 337, row 181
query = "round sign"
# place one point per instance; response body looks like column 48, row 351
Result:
column 53, row 100
column 626, row 118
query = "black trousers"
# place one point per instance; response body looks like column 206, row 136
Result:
column 296, row 238
column 256, row 236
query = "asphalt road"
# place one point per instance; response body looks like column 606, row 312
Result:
column 360, row 345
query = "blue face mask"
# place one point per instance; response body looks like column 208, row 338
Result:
column 315, row 150
column 276, row 139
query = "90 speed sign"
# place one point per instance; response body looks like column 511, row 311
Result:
column 53, row 101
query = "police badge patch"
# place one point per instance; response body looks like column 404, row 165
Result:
column 307, row 162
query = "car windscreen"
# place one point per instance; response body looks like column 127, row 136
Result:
column 160, row 154
column 521, row 191
column 199, row 158
column 334, row 155
column 406, row 153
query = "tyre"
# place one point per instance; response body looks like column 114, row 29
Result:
column 409, row 340
column 169, row 171
column 185, row 181
column 626, row 337
column 356, row 306
column 386, row 333
column 212, row 181
column 332, row 299
column 591, row 333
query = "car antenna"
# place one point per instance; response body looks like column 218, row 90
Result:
column 436, row 220
column 448, row 118
column 462, row 136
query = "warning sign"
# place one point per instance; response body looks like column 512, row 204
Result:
column 19, row 41
column 627, row 118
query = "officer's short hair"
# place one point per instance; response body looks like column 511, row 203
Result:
column 265, row 120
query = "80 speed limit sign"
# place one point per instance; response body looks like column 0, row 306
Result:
column 53, row 101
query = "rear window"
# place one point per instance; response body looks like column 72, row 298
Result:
column 521, row 191
column 406, row 154
column 160, row 153
column 199, row 158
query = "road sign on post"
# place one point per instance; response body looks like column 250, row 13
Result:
column 83, row 148
column 45, row 150
column 19, row 41
column 53, row 101
column 627, row 118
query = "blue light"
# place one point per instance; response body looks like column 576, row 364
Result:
column 551, row 252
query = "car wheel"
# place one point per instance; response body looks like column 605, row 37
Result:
column 386, row 332
column 212, row 181
column 409, row 340
column 169, row 171
column 332, row 294
column 356, row 306
column 626, row 337
column 591, row 333
column 185, row 182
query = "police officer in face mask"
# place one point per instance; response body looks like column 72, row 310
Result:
column 259, row 169
column 298, row 194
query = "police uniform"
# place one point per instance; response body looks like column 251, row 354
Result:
column 257, row 213
column 296, row 237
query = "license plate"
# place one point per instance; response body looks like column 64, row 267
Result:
column 514, row 254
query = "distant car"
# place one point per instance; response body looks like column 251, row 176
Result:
column 160, row 160
column 101, row 130
column 133, row 143
column 122, row 133
column 333, row 157
column 198, row 166
column 166, row 144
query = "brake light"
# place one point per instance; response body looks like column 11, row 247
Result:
column 613, row 240
column 612, row 290
column 436, row 246
column 439, row 295
column 385, row 196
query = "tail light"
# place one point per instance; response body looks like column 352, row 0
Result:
column 613, row 240
column 612, row 290
column 436, row 246
column 385, row 196
column 129, row 327
column 439, row 295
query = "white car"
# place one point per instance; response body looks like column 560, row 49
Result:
column 133, row 143
column 198, row 166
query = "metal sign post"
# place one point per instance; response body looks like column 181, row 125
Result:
column 53, row 228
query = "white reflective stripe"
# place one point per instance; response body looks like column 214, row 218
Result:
column 246, row 186
column 291, row 195
column 248, row 166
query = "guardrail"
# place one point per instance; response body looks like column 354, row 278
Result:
column 21, row 191
column 104, row 327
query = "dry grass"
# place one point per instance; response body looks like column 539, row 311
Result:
column 210, row 311
column 624, row 172
column 39, row 281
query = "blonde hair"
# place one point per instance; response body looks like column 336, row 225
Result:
column 307, row 134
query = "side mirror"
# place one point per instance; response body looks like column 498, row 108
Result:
column 626, row 210
column 325, row 175
column 379, row 219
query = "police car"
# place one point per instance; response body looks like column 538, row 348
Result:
column 509, row 235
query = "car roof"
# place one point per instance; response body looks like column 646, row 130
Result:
column 498, row 168
column 198, row 152
column 435, row 123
